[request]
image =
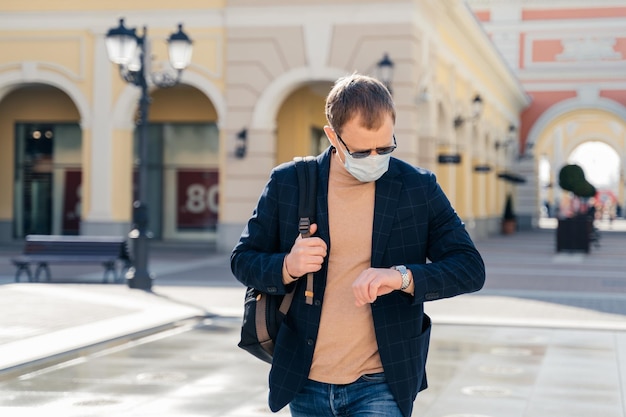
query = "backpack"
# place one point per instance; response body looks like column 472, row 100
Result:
column 264, row 313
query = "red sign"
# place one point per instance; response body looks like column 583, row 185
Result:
column 71, row 202
column 197, row 199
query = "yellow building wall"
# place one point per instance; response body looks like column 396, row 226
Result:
column 67, row 53
column 459, row 80
column 302, row 110
column 467, row 57
column 109, row 5
column 446, row 175
column 463, row 186
column 477, row 187
column 490, row 193
column 181, row 104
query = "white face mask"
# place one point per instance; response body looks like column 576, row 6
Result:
column 367, row 169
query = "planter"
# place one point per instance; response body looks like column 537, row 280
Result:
column 509, row 226
column 509, row 223
column 574, row 234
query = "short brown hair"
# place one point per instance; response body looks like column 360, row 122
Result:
column 359, row 95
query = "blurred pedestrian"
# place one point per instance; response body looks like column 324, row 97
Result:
column 359, row 348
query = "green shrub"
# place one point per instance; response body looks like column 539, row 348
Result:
column 572, row 178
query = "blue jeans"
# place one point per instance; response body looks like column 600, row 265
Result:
column 368, row 396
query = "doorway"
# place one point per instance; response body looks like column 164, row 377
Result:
column 47, row 179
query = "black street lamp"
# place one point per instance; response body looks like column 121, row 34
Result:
column 385, row 71
column 477, row 109
column 132, row 53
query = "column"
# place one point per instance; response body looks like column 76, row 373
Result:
column 97, row 152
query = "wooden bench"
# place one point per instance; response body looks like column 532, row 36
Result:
column 44, row 250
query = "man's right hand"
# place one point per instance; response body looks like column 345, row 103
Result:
column 307, row 255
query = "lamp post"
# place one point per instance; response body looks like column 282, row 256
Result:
column 385, row 71
column 477, row 109
column 241, row 144
column 132, row 54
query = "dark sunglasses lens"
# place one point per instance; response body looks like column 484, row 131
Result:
column 380, row 151
column 386, row 150
column 361, row 154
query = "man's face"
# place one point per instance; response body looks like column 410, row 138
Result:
column 358, row 139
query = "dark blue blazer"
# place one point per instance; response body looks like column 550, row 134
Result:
column 413, row 222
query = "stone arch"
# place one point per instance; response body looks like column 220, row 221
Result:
column 562, row 113
column 13, row 79
column 266, row 109
column 568, row 106
column 124, row 108
column 579, row 140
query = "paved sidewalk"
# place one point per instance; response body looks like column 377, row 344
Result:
column 558, row 312
column 46, row 322
column 43, row 320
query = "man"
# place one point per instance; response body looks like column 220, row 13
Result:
column 359, row 349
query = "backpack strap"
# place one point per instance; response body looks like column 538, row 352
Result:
column 306, row 169
column 307, row 184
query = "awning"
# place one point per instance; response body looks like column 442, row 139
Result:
column 512, row 177
column 449, row 158
column 482, row 168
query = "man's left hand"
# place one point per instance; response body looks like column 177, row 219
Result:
column 374, row 282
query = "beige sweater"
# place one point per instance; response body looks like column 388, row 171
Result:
column 346, row 346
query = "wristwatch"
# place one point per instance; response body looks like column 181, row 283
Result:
column 406, row 281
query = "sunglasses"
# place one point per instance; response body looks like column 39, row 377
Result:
column 364, row 154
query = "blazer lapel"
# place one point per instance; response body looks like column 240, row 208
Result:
column 386, row 200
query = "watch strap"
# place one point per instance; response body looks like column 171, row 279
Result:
column 406, row 280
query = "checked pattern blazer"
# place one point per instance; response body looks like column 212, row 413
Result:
column 414, row 225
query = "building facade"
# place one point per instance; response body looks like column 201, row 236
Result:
column 253, row 97
column 570, row 56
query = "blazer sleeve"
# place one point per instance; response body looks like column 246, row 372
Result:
column 257, row 259
column 456, row 266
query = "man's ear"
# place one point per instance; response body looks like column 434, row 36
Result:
column 331, row 135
